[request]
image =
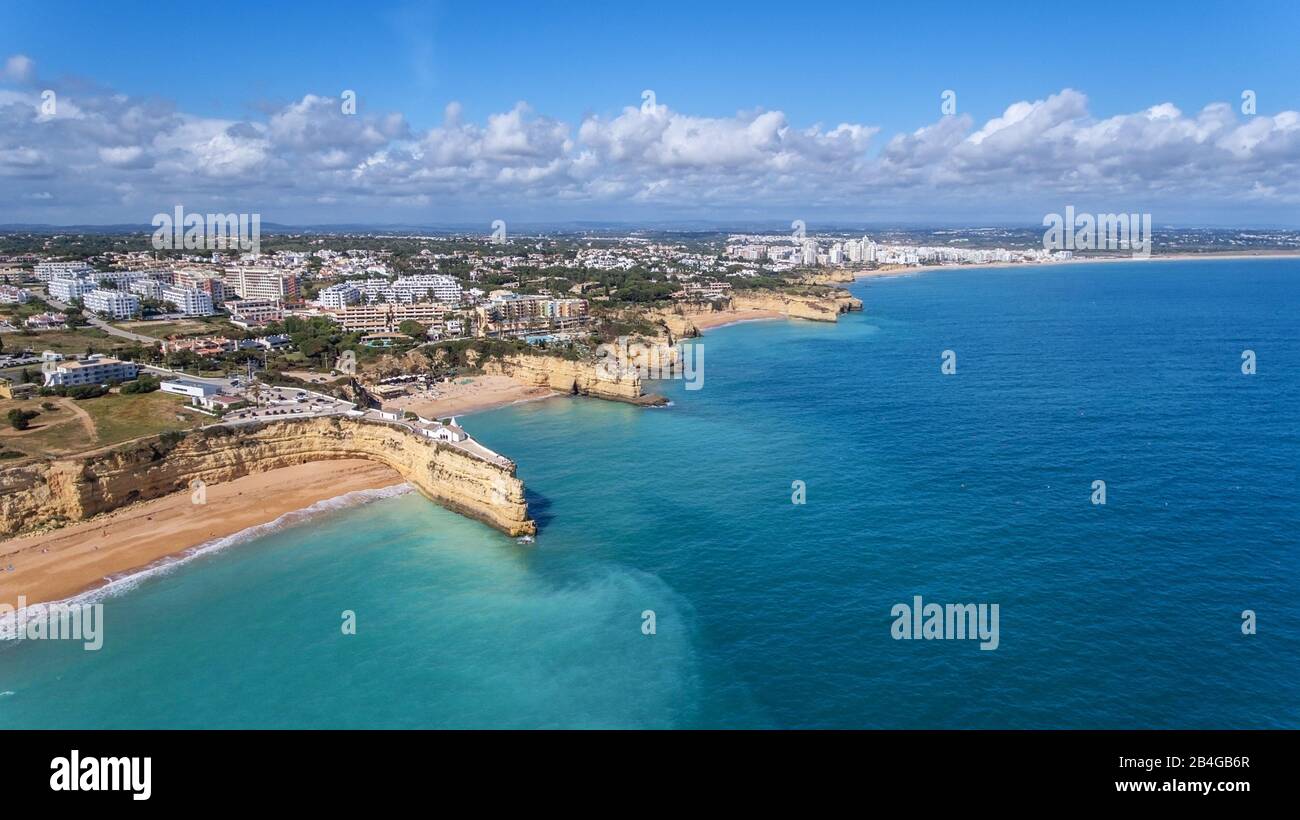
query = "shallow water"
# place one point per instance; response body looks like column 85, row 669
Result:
column 972, row 488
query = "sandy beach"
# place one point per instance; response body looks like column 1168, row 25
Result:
column 719, row 318
column 58, row 564
column 61, row 563
column 479, row 394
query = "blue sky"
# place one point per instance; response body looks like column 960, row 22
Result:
column 881, row 66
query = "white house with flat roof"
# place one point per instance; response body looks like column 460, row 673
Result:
column 199, row 392
column 91, row 370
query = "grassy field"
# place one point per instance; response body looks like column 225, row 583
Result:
column 115, row 417
column 121, row 417
column 182, row 328
column 52, row 432
column 75, row 341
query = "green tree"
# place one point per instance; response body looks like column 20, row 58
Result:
column 414, row 329
column 20, row 418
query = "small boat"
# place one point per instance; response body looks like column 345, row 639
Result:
column 524, row 539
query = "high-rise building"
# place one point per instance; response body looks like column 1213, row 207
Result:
column 147, row 289
column 254, row 282
column 45, row 271
column 65, row 290
column 113, row 303
column 338, row 296
column 809, row 256
column 205, row 280
column 189, row 301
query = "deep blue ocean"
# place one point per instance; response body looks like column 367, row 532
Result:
column 965, row 488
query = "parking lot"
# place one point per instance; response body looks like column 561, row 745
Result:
column 278, row 403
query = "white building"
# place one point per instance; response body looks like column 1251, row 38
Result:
column 189, row 301
column 46, row 271
column 255, row 282
column 65, row 290
column 198, row 392
column 248, row 312
column 338, row 296
column 407, row 290
column 10, row 295
column 112, row 303
column 91, row 370
column 147, row 289
column 809, row 256
column 426, row 287
column 120, row 278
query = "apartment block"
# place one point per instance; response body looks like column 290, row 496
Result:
column 253, row 282
column 189, row 301
column 114, row 303
column 91, row 370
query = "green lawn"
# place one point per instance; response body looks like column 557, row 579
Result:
column 182, row 328
column 75, row 341
column 52, row 432
column 121, row 417
column 116, row 418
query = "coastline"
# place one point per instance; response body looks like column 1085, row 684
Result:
column 106, row 550
column 482, row 393
column 726, row 318
column 126, row 544
column 1168, row 257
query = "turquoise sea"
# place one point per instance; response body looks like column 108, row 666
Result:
column 973, row 487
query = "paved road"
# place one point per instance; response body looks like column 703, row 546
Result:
column 102, row 325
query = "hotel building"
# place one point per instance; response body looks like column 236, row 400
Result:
column 114, row 303
column 189, row 301
column 91, row 370
column 384, row 317
column 248, row 312
column 46, row 271
column 65, row 290
column 512, row 314
column 263, row 283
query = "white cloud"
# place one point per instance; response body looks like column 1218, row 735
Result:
column 102, row 151
column 124, row 156
column 19, row 68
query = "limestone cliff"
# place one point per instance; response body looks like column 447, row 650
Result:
column 825, row 308
column 833, row 277
column 72, row 489
column 568, row 375
column 819, row 308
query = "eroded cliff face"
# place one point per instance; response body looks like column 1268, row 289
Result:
column 568, row 376
column 677, row 319
column 833, row 277
column 73, row 489
column 823, row 308
column 817, row 308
